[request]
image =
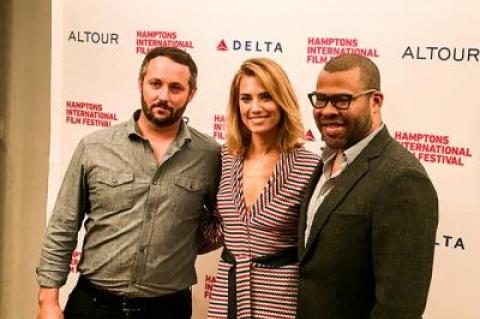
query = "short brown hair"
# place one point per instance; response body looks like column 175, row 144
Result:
column 176, row 55
column 276, row 83
column 369, row 73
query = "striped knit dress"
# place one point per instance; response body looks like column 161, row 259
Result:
column 266, row 228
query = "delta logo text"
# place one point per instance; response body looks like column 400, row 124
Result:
column 147, row 40
column 250, row 46
column 219, row 127
column 93, row 37
column 321, row 49
column 435, row 149
column 451, row 242
column 443, row 54
column 88, row 113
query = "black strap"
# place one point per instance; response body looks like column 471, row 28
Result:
column 282, row 258
column 228, row 257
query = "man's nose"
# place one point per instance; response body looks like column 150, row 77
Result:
column 329, row 109
column 163, row 93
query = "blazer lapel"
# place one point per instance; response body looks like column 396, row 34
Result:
column 343, row 185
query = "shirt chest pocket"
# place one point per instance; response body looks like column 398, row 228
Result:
column 112, row 190
column 187, row 196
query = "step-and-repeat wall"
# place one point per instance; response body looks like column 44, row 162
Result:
column 428, row 53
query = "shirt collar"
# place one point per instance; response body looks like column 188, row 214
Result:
column 184, row 135
column 132, row 126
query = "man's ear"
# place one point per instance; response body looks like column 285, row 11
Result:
column 377, row 101
column 140, row 85
column 191, row 94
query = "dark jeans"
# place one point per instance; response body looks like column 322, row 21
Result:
column 88, row 303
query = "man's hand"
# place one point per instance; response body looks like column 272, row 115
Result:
column 48, row 304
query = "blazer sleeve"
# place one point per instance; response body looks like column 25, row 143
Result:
column 404, row 224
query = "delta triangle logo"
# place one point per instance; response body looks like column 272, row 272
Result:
column 309, row 136
column 222, row 46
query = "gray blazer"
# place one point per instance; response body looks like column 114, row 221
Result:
column 370, row 249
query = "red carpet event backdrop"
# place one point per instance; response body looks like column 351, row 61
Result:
column 428, row 54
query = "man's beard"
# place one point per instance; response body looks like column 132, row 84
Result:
column 171, row 119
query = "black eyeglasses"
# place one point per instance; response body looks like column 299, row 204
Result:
column 340, row 101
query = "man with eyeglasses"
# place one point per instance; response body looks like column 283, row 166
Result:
column 369, row 219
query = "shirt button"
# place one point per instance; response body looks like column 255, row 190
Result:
column 149, row 217
column 114, row 181
column 154, row 183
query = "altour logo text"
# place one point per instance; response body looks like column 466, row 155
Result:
column 441, row 53
column 93, row 37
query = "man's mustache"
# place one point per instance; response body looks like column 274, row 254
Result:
column 162, row 105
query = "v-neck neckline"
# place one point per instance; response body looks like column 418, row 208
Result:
column 249, row 213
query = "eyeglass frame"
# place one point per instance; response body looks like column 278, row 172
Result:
column 334, row 102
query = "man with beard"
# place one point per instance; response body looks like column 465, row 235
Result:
column 369, row 219
column 142, row 186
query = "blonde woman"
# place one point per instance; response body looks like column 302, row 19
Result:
column 264, row 174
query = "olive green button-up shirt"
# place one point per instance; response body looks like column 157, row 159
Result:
column 141, row 219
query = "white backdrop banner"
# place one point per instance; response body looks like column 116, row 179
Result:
column 428, row 54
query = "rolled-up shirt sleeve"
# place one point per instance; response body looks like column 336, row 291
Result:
column 66, row 219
